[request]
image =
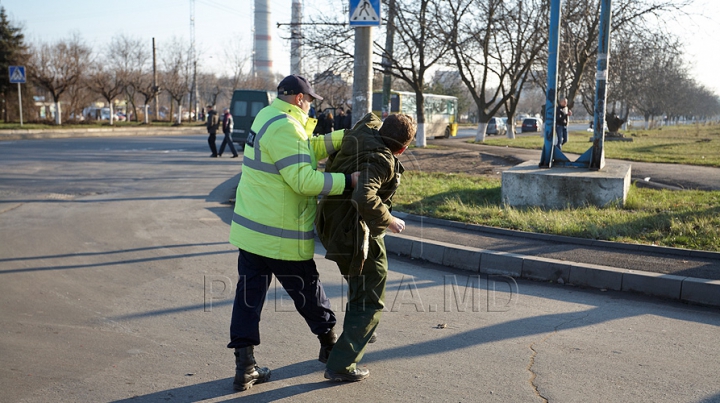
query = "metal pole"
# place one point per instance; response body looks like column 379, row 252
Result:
column 296, row 38
column 386, row 61
column 155, row 88
column 551, row 96
column 20, row 103
column 362, row 84
column 597, row 160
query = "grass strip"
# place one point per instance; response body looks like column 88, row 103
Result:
column 682, row 219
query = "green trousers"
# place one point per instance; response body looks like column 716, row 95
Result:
column 366, row 296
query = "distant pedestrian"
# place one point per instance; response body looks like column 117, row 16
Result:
column 212, row 126
column 227, row 127
column 347, row 123
column 340, row 119
column 328, row 123
column 561, row 121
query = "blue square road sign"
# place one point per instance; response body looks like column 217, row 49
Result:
column 365, row 13
column 17, row 74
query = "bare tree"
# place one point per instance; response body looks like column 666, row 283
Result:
column 236, row 60
column 175, row 78
column 130, row 59
column 107, row 82
column 57, row 66
column 471, row 28
column 419, row 46
column 579, row 36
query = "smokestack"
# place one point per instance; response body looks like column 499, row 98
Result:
column 262, row 61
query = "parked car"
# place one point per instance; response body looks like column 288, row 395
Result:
column 496, row 126
column 531, row 125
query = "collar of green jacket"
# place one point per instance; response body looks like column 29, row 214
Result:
column 367, row 136
column 296, row 113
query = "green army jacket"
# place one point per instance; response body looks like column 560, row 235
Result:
column 345, row 222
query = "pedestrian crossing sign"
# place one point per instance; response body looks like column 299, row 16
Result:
column 17, row 74
column 365, row 13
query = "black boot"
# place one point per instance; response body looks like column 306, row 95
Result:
column 327, row 341
column 358, row 374
column 247, row 373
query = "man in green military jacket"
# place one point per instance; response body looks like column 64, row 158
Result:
column 351, row 226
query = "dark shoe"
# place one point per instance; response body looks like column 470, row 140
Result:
column 235, row 156
column 373, row 338
column 213, row 155
column 219, row 155
column 247, row 373
column 357, row 375
column 327, row 341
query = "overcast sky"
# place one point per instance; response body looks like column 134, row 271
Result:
column 228, row 23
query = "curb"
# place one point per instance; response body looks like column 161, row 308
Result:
column 31, row 134
column 686, row 289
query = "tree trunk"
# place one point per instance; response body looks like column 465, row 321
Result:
column 179, row 113
column 111, row 113
column 511, row 126
column 480, row 134
column 58, row 113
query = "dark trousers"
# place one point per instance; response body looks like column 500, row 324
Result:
column 562, row 134
column 366, row 296
column 211, row 142
column 300, row 280
column 228, row 141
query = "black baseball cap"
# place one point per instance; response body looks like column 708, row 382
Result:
column 295, row 84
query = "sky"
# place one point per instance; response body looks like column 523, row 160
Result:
column 223, row 25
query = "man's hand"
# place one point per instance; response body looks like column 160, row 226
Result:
column 397, row 225
column 354, row 178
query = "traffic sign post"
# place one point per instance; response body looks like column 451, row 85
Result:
column 17, row 76
column 364, row 14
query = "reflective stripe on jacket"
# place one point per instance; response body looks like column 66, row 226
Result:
column 276, row 198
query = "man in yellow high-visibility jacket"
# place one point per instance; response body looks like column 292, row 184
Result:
column 272, row 223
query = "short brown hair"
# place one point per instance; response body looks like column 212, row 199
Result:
column 398, row 131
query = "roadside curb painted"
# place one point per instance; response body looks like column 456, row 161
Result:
column 685, row 289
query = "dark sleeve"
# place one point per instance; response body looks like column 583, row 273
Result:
column 373, row 174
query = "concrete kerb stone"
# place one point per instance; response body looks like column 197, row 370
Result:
column 504, row 263
column 463, row 257
column 686, row 289
column 596, row 276
column 656, row 284
column 544, row 269
column 701, row 291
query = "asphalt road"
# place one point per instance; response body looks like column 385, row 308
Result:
column 117, row 281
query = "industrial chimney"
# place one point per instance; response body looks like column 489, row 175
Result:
column 262, row 59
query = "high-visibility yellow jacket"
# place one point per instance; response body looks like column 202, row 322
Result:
column 276, row 198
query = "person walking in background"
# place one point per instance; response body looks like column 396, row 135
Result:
column 561, row 121
column 328, row 122
column 347, row 122
column 340, row 119
column 320, row 125
column 212, row 124
column 352, row 227
column 227, row 128
column 272, row 224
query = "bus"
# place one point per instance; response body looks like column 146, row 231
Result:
column 244, row 106
column 440, row 111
